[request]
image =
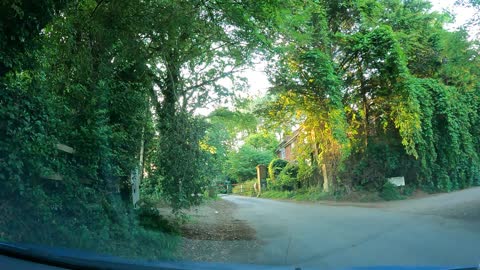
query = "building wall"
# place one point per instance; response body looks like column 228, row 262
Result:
column 286, row 148
column 288, row 153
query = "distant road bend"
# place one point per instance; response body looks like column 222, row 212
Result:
column 441, row 230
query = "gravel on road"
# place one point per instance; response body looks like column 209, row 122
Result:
column 212, row 234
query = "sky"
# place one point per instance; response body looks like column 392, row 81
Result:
column 258, row 81
column 462, row 14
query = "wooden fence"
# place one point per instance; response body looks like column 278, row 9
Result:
column 243, row 189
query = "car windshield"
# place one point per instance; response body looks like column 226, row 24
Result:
column 325, row 134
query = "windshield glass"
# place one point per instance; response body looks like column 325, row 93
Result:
column 329, row 134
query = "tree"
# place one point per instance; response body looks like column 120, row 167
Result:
column 242, row 164
column 22, row 22
column 307, row 87
column 236, row 123
column 75, row 77
column 208, row 41
column 368, row 81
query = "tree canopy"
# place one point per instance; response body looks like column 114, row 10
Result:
column 382, row 90
column 377, row 89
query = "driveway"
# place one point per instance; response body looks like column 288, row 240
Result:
column 441, row 230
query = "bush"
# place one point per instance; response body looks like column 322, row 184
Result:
column 275, row 167
column 444, row 183
column 408, row 190
column 390, row 192
column 149, row 218
column 306, row 173
column 287, row 179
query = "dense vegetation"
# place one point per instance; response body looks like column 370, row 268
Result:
column 378, row 89
column 119, row 82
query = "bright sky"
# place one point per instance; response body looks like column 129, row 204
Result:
column 259, row 84
column 462, row 14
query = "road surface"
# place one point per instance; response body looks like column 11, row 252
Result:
column 442, row 230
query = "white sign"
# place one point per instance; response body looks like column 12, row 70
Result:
column 397, row 181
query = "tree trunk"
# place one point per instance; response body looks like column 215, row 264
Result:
column 326, row 184
column 363, row 89
column 170, row 91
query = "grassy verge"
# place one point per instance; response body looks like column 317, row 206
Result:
column 387, row 193
column 316, row 195
column 105, row 228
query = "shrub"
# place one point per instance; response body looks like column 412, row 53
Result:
column 444, row 183
column 390, row 192
column 408, row 190
column 149, row 218
column 275, row 167
column 305, row 172
column 287, row 179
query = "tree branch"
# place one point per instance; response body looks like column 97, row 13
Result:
column 96, row 7
column 225, row 74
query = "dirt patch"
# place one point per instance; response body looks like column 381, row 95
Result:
column 419, row 194
column 213, row 234
column 215, row 221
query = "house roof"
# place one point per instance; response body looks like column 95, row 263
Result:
column 288, row 140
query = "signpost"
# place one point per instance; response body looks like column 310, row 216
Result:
column 398, row 181
column 63, row 148
column 261, row 178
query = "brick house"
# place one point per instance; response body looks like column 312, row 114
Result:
column 286, row 147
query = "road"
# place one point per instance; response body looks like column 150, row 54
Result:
column 442, row 230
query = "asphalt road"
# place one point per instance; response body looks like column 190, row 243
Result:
column 442, row 230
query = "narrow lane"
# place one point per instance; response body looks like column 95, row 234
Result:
column 442, row 230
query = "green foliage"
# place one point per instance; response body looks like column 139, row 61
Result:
column 88, row 221
column 307, row 174
column 390, row 192
column 234, row 122
column 262, row 141
column 257, row 149
column 398, row 97
column 180, row 141
column 379, row 89
column 225, row 129
column 242, row 164
column 20, row 25
column 380, row 160
column 150, row 219
column 408, row 190
column 277, row 194
column 275, row 167
column 105, row 78
column 247, row 189
column 287, row 179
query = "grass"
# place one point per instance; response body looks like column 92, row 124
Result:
column 298, row 195
column 247, row 189
column 313, row 194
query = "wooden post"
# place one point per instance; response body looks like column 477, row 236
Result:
column 66, row 149
column 261, row 178
column 326, row 185
column 137, row 173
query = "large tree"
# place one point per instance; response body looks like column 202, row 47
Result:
column 209, row 41
column 376, row 81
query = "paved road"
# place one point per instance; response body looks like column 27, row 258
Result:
column 442, row 230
